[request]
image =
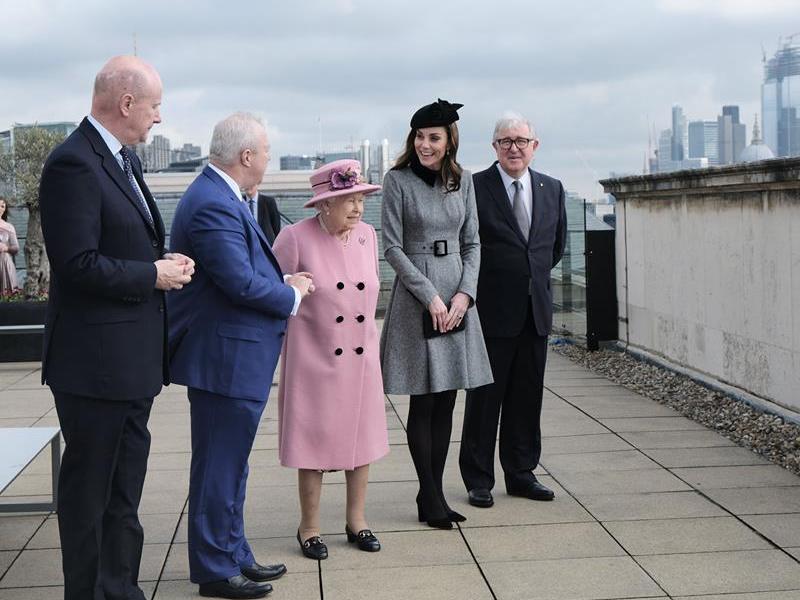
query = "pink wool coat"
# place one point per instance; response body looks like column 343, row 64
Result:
column 330, row 399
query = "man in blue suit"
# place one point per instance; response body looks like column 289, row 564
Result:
column 225, row 336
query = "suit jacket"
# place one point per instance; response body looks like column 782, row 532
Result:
column 269, row 219
column 227, row 325
column 514, row 273
column 105, row 333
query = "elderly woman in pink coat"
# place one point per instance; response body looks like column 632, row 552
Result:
column 331, row 402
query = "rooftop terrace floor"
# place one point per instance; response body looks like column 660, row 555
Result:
column 648, row 505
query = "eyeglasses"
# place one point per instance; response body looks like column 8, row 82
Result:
column 520, row 143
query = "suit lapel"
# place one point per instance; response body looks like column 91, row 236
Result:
column 500, row 200
column 537, row 201
column 112, row 168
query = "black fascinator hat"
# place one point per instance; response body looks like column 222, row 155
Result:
column 438, row 114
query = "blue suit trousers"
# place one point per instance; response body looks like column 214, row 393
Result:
column 223, row 430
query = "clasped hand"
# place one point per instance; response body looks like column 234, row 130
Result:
column 173, row 271
column 301, row 282
column 443, row 319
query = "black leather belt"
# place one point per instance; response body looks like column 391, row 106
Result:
column 436, row 247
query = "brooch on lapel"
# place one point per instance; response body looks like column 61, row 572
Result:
column 362, row 240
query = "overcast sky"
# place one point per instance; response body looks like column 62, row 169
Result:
column 593, row 76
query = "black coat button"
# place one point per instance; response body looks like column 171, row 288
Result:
column 154, row 243
column 359, row 350
column 338, row 351
column 340, row 285
column 360, row 318
column 360, row 285
column 339, row 319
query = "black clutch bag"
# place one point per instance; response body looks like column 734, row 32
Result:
column 427, row 326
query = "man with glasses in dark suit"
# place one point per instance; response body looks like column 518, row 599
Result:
column 523, row 231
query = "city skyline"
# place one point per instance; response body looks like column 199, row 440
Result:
column 593, row 78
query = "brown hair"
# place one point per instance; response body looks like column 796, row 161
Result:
column 4, row 216
column 450, row 171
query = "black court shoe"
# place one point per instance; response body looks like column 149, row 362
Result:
column 365, row 538
column 313, row 547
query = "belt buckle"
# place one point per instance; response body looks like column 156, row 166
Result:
column 440, row 248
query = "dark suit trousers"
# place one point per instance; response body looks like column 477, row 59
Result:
column 518, row 365
column 99, row 489
column 223, row 430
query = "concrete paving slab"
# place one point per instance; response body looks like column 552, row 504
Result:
column 635, row 424
column 431, row 547
column 794, row 552
column 299, row 586
column 6, row 558
column 613, row 408
column 785, row 595
column 56, row 592
column 540, row 542
column 158, row 529
column 35, row 568
column 622, row 482
column 737, row 477
column 267, row 551
column 661, row 505
column 705, row 457
column 16, row 531
column 758, row 501
column 673, row 536
column 723, row 572
column 783, row 530
column 676, row 439
column 577, row 444
column 624, row 460
column 451, row 582
column 570, row 579
column 575, row 425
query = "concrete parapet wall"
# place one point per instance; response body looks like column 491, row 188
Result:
column 708, row 272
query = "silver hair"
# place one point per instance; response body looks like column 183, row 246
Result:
column 233, row 135
column 510, row 120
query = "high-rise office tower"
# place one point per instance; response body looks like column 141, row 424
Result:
column 704, row 141
column 731, row 135
column 680, row 138
column 780, row 100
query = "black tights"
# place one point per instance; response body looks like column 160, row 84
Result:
column 430, row 421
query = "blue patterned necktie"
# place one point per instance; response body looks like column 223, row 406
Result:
column 126, row 162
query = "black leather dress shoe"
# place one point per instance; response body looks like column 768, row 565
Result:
column 257, row 572
column 313, row 547
column 237, row 586
column 365, row 538
column 533, row 490
column 481, row 498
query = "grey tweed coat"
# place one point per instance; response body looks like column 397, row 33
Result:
column 414, row 216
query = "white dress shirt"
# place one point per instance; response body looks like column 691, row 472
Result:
column 237, row 192
column 527, row 189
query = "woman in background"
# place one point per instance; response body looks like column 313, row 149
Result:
column 8, row 250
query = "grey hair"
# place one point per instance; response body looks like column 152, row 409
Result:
column 233, row 135
column 510, row 120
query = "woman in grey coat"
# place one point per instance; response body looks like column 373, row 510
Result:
column 430, row 238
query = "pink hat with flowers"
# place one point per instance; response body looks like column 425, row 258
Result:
column 339, row 178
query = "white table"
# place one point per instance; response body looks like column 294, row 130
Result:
column 18, row 447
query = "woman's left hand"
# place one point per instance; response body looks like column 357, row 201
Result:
column 458, row 308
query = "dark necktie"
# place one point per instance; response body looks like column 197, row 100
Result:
column 520, row 214
column 128, row 168
column 251, row 204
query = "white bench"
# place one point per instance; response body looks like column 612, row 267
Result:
column 18, row 447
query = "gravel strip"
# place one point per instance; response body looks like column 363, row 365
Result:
column 763, row 433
